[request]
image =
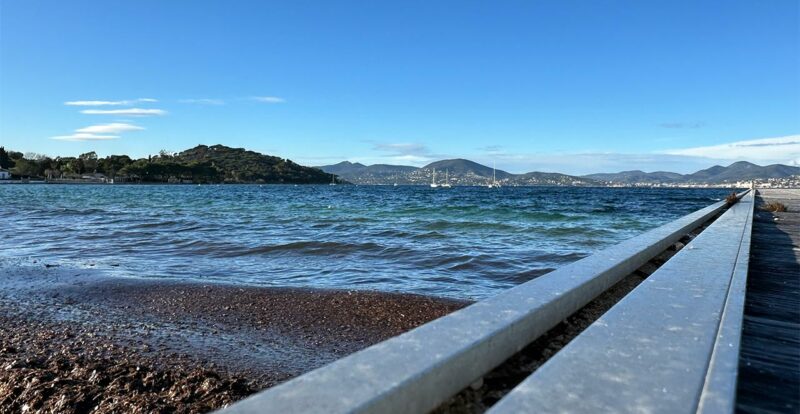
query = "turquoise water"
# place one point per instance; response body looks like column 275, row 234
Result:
column 464, row 242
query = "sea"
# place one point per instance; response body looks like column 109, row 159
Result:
column 461, row 242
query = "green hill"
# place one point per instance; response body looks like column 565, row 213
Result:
column 239, row 165
column 201, row 164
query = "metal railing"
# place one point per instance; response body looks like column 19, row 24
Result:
column 418, row 370
column 669, row 346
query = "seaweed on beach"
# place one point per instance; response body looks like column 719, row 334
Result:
column 775, row 207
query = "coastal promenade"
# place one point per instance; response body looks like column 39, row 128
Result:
column 710, row 324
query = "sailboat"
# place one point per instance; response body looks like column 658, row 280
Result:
column 446, row 179
column 494, row 183
column 333, row 179
column 433, row 179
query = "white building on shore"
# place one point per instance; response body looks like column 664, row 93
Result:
column 5, row 174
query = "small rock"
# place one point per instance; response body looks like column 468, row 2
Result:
column 477, row 384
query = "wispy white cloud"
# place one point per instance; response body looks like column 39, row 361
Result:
column 410, row 153
column 683, row 125
column 112, row 128
column 593, row 162
column 765, row 150
column 268, row 99
column 411, row 159
column 403, row 153
column 125, row 112
column 95, row 103
column 84, row 137
column 402, row 148
column 491, row 149
column 203, row 101
column 109, row 103
column 99, row 132
column 779, row 150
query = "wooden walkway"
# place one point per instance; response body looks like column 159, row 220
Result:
column 769, row 365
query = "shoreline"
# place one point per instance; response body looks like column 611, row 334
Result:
column 677, row 187
column 87, row 343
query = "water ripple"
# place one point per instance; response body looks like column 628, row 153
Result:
column 463, row 242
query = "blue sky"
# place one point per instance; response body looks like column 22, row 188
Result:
column 571, row 86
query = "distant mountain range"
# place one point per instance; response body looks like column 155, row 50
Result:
column 466, row 172
column 636, row 176
column 221, row 164
column 457, row 171
column 738, row 171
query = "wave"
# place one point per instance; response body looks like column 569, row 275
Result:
column 429, row 235
column 154, row 224
column 548, row 216
column 74, row 211
column 467, row 225
column 317, row 248
column 575, row 232
column 466, row 241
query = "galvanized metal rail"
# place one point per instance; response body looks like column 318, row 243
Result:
column 670, row 346
column 416, row 371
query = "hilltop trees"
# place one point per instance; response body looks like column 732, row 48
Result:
column 219, row 163
column 158, row 169
column 26, row 168
column 202, row 164
column 113, row 164
column 5, row 160
column 240, row 165
column 89, row 161
column 8, row 158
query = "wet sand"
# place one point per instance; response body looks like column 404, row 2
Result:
column 75, row 341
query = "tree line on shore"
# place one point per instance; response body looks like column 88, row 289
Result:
column 201, row 164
